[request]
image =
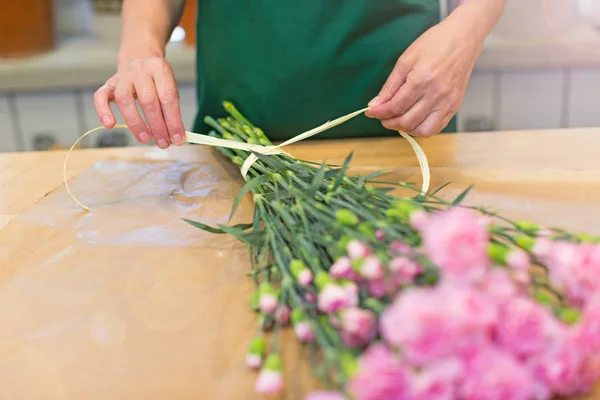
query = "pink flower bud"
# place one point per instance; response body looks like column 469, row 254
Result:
column 282, row 314
column 267, row 303
column 351, row 290
column 269, row 382
column 311, row 298
column 542, row 248
column 404, row 269
column 379, row 234
column 358, row 326
column 253, row 360
column 400, row 248
column 518, row 259
column 418, row 219
column 334, row 297
column 304, row 331
column 305, row 277
column 377, row 288
column 357, row 249
column 342, row 269
column 372, row 268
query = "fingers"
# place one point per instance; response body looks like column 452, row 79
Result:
column 102, row 100
column 125, row 98
column 168, row 97
column 433, row 124
column 392, row 84
column 411, row 119
column 405, row 98
column 148, row 99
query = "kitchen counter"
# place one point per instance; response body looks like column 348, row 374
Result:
column 127, row 301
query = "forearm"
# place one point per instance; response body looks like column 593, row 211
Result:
column 480, row 16
column 146, row 27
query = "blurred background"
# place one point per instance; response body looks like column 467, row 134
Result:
column 540, row 69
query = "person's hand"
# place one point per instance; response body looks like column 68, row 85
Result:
column 152, row 83
column 428, row 83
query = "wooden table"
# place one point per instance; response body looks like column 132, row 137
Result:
column 86, row 317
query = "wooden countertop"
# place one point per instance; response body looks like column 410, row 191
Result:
column 90, row 315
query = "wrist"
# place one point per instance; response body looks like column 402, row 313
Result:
column 476, row 18
column 132, row 51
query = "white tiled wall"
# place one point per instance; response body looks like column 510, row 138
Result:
column 8, row 135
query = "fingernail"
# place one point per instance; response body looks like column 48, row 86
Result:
column 375, row 102
column 106, row 120
column 144, row 137
column 162, row 143
column 177, row 139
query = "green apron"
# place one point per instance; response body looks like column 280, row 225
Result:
column 290, row 66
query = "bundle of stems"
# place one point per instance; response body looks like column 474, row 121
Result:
column 332, row 254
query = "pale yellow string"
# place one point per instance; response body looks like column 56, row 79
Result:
column 197, row 138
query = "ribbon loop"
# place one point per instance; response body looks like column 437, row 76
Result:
column 198, row 138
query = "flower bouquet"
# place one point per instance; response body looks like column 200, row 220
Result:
column 410, row 298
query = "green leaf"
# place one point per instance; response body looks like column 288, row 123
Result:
column 462, row 196
column 317, row 181
column 438, row 189
column 210, row 229
column 256, row 220
column 249, row 186
column 271, row 161
column 342, row 171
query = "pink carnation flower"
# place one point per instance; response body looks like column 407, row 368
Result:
column 561, row 367
column 342, row 269
column 438, row 381
column 576, row 268
column 498, row 285
column 357, row 249
column 381, row 376
column 358, row 326
column 587, row 331
column 495, row 375
column 527, row 328
column 442, row 321
column 456, row 241
column 269, row 382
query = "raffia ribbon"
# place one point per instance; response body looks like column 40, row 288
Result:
column 197, row 138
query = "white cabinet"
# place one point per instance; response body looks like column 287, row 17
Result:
column 531, row 100
column 8, row 138
column 477, row 109
column 48, row 120
column 583, row 98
